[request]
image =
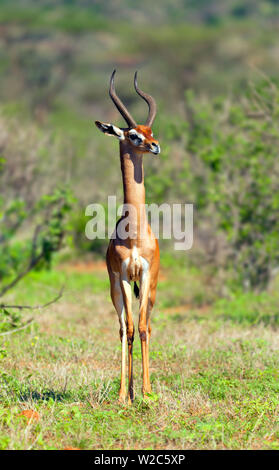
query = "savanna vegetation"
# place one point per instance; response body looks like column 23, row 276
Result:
column 214, row 351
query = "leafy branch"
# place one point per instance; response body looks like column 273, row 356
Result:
column 18, row 258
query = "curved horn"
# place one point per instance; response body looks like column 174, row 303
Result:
column 118, row 103
column 149, row 100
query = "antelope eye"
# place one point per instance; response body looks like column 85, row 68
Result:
column 133, row 136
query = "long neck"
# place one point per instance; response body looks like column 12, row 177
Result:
column 133, row 184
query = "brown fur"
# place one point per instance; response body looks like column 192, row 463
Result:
column 119, row 251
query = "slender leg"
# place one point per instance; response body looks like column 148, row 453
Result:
column 149, row 308
column 131, row 395
column 127, row 299
column 117, row 299
column 143, row 318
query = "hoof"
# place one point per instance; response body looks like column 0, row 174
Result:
column 146, row 394
column 122, row 398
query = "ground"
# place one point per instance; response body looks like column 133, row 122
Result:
column 214, row 376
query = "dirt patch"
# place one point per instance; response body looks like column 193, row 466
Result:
column 30, row 415
column 185, row 308
column 179, row 309
column 83, row 266
column 94, row 266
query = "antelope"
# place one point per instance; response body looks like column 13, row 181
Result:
column 137, row 257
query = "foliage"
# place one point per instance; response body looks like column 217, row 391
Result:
column 20, row 254
column 229, row 170
column 48, row 218
column 232, row 153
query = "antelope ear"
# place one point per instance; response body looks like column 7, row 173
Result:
column 110, row 129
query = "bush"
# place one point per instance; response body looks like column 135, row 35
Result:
column 230, row 171
column 233, row 152
column 33, row 224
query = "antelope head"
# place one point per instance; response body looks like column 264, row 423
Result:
column 140, row 137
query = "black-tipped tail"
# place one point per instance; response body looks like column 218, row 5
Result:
column 136, row 290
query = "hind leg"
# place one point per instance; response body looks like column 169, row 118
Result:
column 117, row 300
column 127, row 300
column 154, row 272
column 150, row 304
column 143, row 319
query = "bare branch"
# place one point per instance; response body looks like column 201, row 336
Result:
column 35, row 307
column 31, row 265
column 34, row 241
column 255, row 114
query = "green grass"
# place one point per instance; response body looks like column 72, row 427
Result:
column 214, row 376
column 70, row 19
column 250, row 308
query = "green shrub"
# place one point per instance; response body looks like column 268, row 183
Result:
column 231, row 173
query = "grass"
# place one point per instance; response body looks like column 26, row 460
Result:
column 214, row 376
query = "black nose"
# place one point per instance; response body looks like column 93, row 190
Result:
column 155, row 148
